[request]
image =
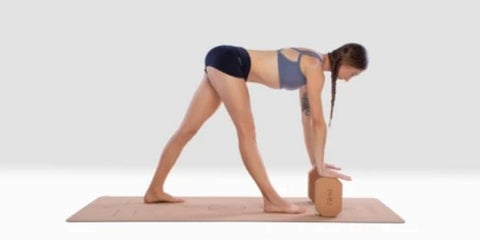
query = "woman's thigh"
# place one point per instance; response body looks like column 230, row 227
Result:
column 204, row 103
column 234, row 94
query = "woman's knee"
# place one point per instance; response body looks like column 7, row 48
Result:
column 246, row 132
column 184, row 134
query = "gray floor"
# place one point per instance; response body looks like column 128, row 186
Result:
column 36, row 202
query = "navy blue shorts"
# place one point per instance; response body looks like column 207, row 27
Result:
column 229, row 59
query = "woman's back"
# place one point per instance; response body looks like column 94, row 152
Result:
column 265, row 66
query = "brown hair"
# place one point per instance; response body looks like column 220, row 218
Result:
column 351, row 54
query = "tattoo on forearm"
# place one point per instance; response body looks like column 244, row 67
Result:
column 305, row 105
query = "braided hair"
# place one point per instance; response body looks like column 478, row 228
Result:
column 352, row 54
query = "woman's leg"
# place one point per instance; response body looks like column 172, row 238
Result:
column 234, row 94
column 203, row 104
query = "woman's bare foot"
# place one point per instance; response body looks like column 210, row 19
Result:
column 158, row 197
column 281, row 206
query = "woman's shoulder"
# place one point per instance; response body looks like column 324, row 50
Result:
column 308, row 49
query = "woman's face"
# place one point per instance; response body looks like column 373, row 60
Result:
column 347, row 72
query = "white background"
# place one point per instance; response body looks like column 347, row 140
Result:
column 104, row 84
column 107, row 82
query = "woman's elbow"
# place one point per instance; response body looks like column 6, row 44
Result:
column 317, row 122
column 310, row 123
column 306, row 120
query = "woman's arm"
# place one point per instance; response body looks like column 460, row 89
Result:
column 307, row 130
column 318, row 128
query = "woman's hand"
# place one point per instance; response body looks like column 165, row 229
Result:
column 329, row 166
column 327, row 171
column 332, row 166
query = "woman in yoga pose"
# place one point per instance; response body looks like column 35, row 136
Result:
column 227, row 71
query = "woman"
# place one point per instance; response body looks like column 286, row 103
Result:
column 227, row 70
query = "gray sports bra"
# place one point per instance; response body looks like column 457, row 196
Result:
column 290, row 75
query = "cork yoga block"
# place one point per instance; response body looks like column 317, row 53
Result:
column 326, row 194
column 312, row 177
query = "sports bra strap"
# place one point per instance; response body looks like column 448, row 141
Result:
column 310, row 53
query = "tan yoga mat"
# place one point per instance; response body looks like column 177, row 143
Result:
column 132, row 208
